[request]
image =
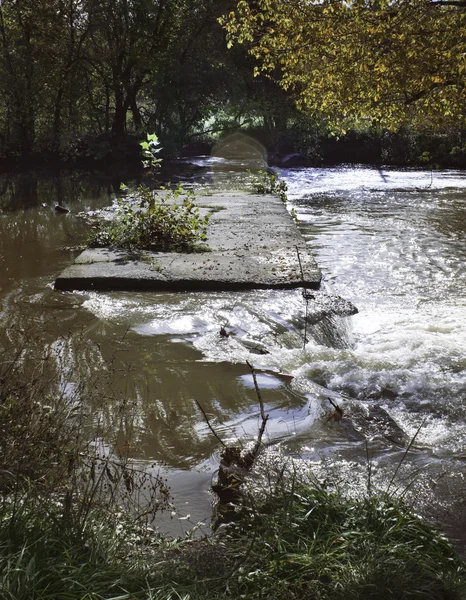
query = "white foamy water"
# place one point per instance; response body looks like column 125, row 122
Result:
column 394, row 243
column 302, row 182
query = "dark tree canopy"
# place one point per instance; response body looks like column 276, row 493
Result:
column 77, row 75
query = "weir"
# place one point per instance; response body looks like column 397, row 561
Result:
column 252, row 241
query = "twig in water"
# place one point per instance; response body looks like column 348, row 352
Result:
column 300, row 264
column 306, row 298
column 208, row 423
column 431, row 178
column 338, row 414
column 264, row 417
column 405, row 454
column 369, row 470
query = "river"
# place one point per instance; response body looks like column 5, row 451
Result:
column 393, row 242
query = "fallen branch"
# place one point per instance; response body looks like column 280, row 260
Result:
column 337, row 415
column 208, row 423
column 256, row 448
column 235, row 464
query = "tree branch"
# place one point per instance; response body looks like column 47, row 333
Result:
column 208, row 423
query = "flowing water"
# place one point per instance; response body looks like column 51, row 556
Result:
column 392, row 242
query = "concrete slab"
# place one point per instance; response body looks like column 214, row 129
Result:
column 254, row 243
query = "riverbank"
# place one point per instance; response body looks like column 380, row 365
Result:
column 252, row 243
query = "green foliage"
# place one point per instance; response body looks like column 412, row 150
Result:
column 164, row 221
column 106, row 68
column 312, row 542
column 170, row 222
column 150, row 150
column 265, row 182
column 359, row 62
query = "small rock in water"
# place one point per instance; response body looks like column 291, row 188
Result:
column 224, row 332
column 279, row 374
column 61, row 209
column 254, row 347
column 373, row 421
column 325, row 305
column 342, row 307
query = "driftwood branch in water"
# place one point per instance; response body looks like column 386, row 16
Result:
column 338, row 414
column 235, row 464
column 255, row 450
column 208, row 423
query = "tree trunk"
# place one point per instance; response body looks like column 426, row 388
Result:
column 135, row 110
column 119, row 118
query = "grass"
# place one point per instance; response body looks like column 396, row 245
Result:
column 311, row 542
column 41, row 559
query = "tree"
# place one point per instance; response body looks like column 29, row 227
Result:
column 19, row 81
column 382, row 61
column 41, row 66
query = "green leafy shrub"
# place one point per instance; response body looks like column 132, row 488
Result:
column 269, row 183
column 148, row 221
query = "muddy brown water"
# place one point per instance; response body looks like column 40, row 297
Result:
column 392, row 242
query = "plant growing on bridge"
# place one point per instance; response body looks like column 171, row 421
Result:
column 147, row 220
column 149, row 149
column 266, row 182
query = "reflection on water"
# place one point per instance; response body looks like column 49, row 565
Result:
column 392, row 242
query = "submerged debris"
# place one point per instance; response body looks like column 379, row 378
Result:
column 279, row 374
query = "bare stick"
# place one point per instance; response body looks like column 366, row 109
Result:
column 208, row 423
column 300, row 264
column 369, row 469
column 334, row 404
column 305, row 323
column 264, row 417
column 405, row 454
column 305, row 298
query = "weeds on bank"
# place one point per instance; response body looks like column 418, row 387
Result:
column 75, row 512
column 265, row 182
column 312, row 542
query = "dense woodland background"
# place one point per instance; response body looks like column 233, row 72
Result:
column 82, row 80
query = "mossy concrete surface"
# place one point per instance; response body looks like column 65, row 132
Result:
column 253, row 242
